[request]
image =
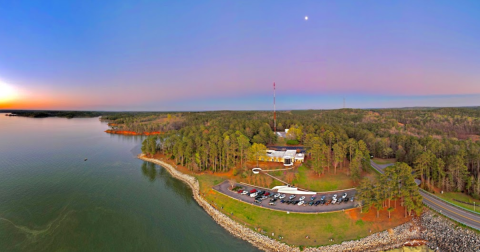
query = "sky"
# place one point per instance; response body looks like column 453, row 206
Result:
column 226, row 55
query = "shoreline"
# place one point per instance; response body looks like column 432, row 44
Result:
column 385, row 240
column 126, row 132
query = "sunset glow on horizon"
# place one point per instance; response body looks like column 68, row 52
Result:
column 125, row 55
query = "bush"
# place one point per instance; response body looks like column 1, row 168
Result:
column 235, row 171
column 292, row 142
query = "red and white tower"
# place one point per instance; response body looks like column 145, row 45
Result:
column 274, row 111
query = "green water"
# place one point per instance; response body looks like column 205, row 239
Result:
column 53, row 200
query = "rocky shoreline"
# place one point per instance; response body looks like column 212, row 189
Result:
column 419, row 228
column 445, row 235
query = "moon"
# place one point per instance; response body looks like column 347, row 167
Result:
column 306, row 17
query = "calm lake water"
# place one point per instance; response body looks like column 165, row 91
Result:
column 53, row 200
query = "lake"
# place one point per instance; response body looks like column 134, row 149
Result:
column 53, row 200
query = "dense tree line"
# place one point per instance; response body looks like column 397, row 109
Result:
column 439, row 144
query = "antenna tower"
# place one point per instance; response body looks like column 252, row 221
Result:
column 274, row 111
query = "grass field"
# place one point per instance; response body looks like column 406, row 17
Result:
column 294, row 227
column 306, row 179
column 382, row 161
column 449, row 196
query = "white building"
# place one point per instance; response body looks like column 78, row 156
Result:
column 288, row 157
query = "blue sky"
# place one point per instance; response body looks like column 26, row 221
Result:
column 213, row 55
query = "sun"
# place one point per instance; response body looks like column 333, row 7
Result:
column 7, row 92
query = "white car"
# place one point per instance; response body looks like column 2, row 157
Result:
column 253, row 195
column 334, row 196
column 292, row 196
column 344, row 195
column 300, row 203
column 245, row 192
column 276, row 195
column 281, row 196
column 302, row 198
column 334, row 200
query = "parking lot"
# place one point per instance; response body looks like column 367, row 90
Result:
column 305, row 208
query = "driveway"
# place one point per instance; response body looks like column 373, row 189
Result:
column 224, row 188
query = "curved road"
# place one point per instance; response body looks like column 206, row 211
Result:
column 453, row 212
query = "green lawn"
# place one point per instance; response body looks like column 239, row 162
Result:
column 449, row 196
column 382, row 161
column 327, row 182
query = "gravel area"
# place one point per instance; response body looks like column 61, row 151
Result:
column 445, row 235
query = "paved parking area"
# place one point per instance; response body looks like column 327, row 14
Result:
column 223, row 188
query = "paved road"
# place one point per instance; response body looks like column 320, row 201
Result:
column 223, row 188
column 453, row 212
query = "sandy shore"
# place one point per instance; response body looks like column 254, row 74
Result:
column 393, row 238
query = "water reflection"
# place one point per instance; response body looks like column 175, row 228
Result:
column 149, row 170
column 153, row 172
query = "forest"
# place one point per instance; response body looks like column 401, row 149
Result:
column 441, row 145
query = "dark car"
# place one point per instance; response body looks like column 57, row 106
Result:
column 313, row 198
column 261, row 193
column 296, row 202
column 258, row 201
column 273, row 200
column 311, row 203
column 282, row 201
column 346, row 200
column 288, row 202
column 317, row 202
column 339, row 200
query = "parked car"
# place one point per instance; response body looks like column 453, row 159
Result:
column 328, row 202
column 339, row 200
column 253, row 194
column 273, row 203
column 288, row 202
column 334, row 196
column 261, row 192
column 311, row 203
column 302, row 198
column 273, row 200
column 317, row 202
column 264, row 197
column 292, row 196
column 296, row 202
column 281, row 196
column 300, row 203
column 282, row 201
column 323, row 197
column 352, row 199
column 334, row 200
column 245, row 192
column 253, row 190
column 344, row 195
column 313, row 198
column 267, row 193
column 346, row 200
column 240, row 191
column 258, row 201
column 276, row 195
